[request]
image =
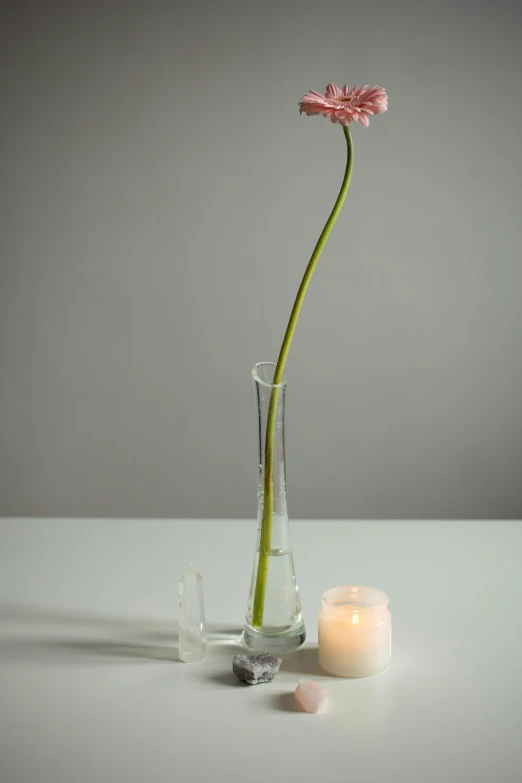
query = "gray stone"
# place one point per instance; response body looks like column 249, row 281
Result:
column 254, row 669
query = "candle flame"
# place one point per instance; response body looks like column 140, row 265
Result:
column 355, row 618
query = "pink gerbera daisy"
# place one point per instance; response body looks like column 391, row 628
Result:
column 345, row 105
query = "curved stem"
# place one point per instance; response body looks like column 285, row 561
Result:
column 268, row 502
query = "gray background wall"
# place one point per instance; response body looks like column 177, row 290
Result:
column 160, row 198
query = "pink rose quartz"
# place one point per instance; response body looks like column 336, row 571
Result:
column 310, row 696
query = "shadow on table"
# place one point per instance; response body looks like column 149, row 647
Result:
column 55, row 615
column 303, row 661
column 227, row 679
column 285, row 702
column 113, row 638
column 72, row 650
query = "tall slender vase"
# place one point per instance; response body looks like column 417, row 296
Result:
column 279, row 627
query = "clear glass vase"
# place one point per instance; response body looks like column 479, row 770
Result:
column 273, row 624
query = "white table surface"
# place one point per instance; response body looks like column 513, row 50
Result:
column 91, row 688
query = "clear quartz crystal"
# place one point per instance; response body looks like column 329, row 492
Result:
column 192, row 625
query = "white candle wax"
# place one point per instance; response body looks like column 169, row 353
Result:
column 354, row 632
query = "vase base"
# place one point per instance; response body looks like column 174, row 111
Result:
column 275, row 643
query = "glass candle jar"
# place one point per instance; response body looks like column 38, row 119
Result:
column 354, row 631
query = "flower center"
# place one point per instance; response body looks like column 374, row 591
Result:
column 346, row 99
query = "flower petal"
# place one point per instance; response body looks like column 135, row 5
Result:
column 364, row 102
column 333, row 91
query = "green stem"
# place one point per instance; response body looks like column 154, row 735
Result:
column 268, row 503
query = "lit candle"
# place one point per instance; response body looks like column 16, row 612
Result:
column 354, row 632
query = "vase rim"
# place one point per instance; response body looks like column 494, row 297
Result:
column 257, row 379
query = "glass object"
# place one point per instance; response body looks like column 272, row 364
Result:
column 192, row 625
column 354, row 632
column 280, row 628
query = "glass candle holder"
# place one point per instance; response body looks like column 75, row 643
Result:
column 354, row 631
